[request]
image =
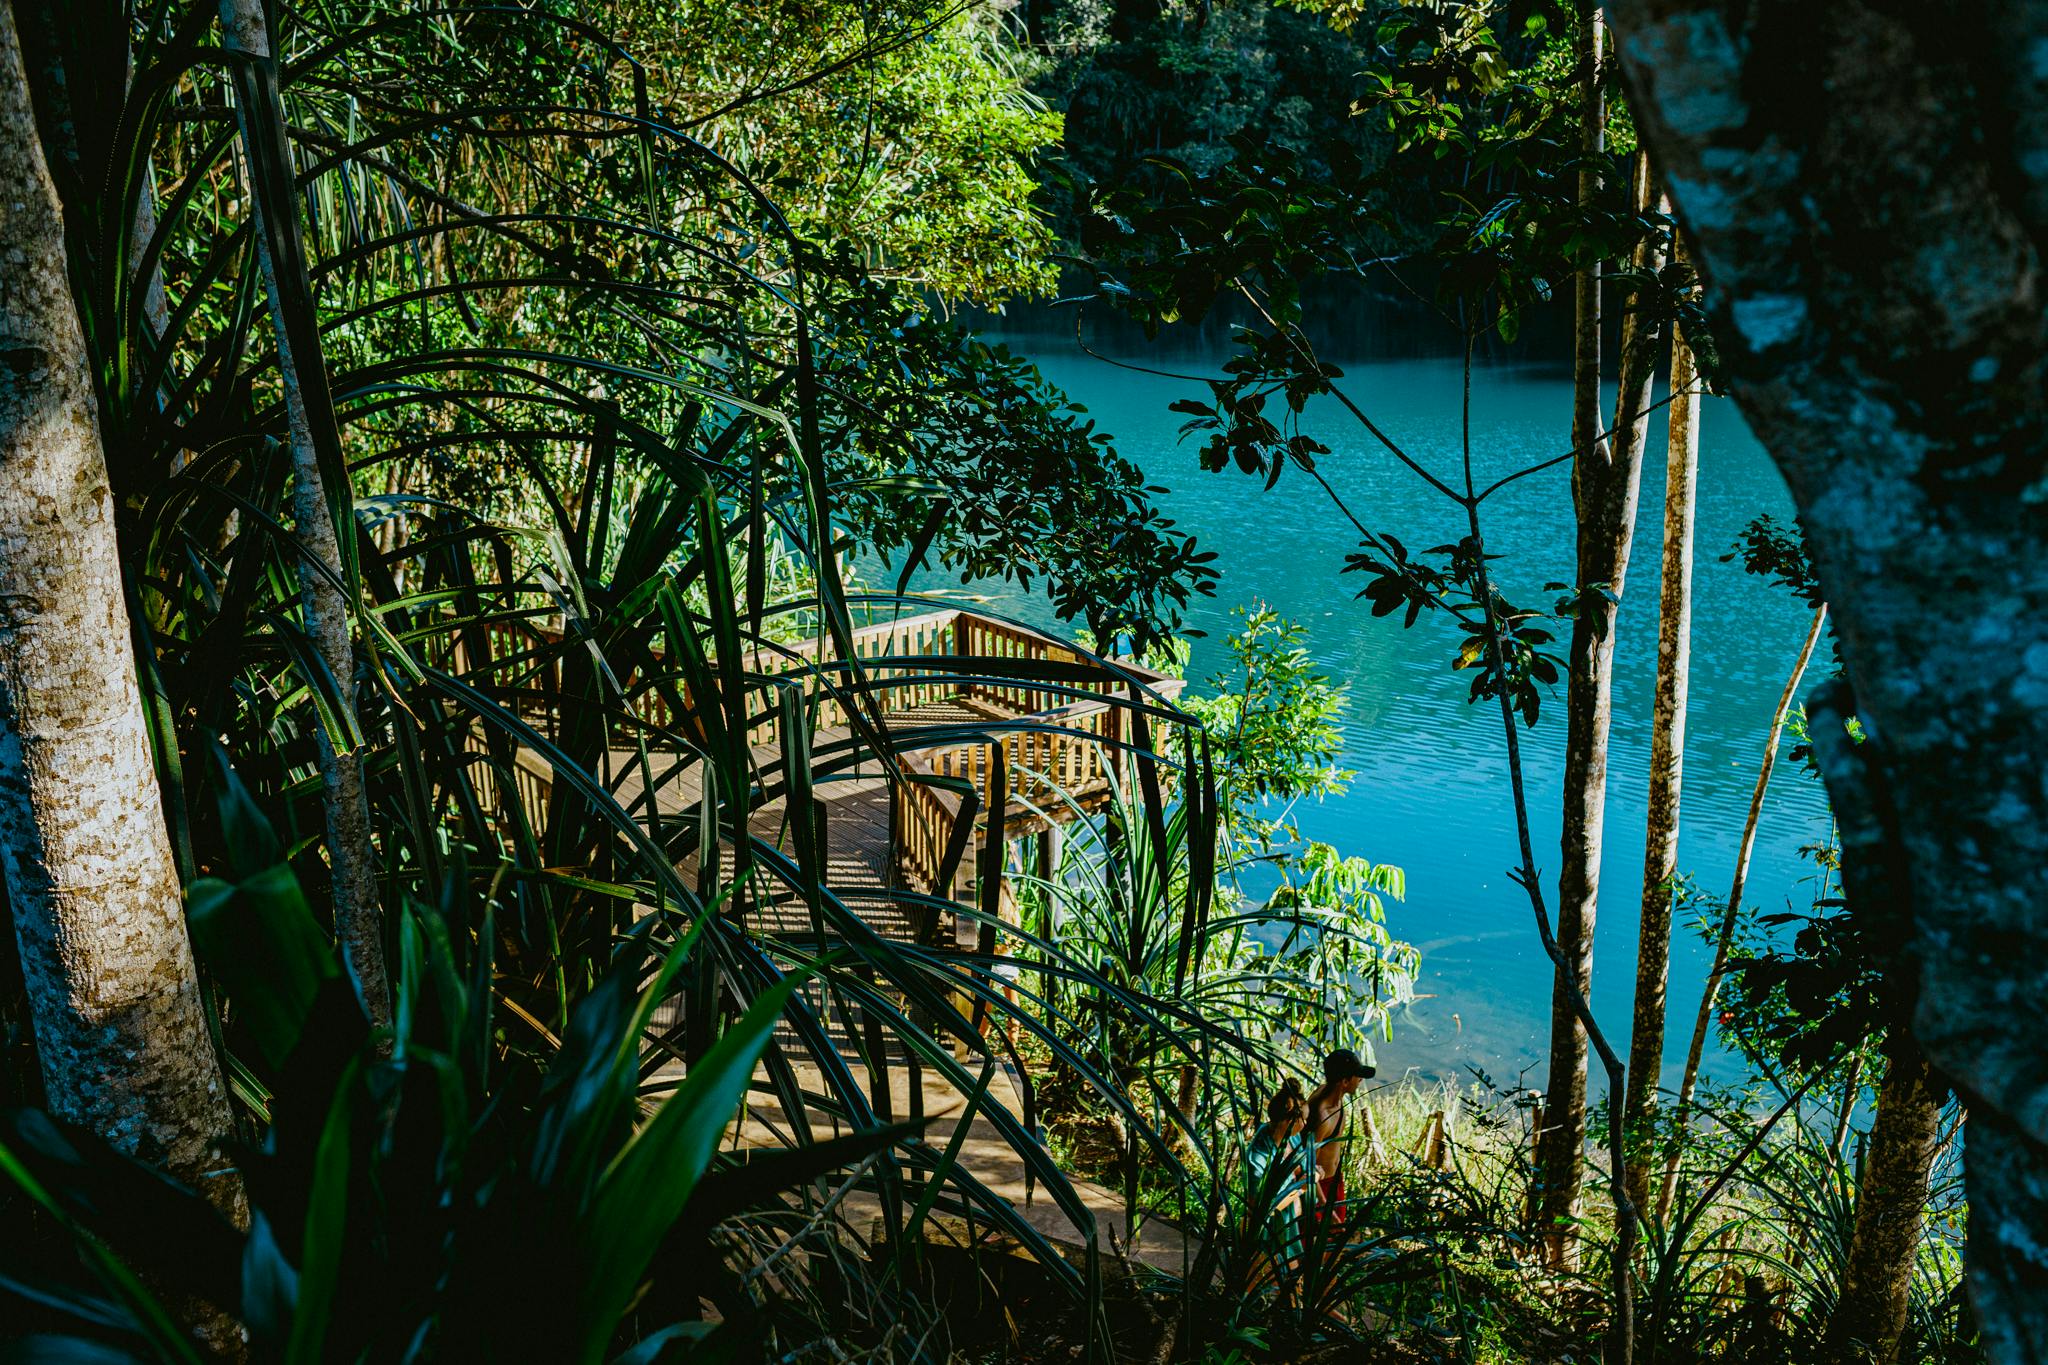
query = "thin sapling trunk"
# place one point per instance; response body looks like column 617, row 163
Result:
column 1725, row 936
column 344, row 798
column 1667, row 761
column 1606, row 487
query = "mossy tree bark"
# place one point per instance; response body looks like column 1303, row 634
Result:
column 1607, row 480
column 1667, row 765
column 1870, row 1317
column 98, row 913
column 316, row 508
column 1865, row 188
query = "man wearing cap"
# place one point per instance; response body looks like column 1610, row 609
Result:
column 1342, row 1071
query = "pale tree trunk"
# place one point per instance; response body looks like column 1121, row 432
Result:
column 98, row 912
column 1667, row 764
column 352, row 857
column 156, row 305
column 1724, row 938
column 1870, row 1317
column 1865, row 188
column 1606, row 487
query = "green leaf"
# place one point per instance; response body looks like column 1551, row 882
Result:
column 1508, row 324
column 150, row 1315
column 644, row 1190
column 261, row 941
column 326, row 1226
column 939, row 1173
column 252, row 843
column 684, row 1336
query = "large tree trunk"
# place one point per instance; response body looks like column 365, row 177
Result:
column 1667, row 766
column 1865, row 187
column 1870, row 1316
column 352, row 857
column 98, row 913
column 1607, row 479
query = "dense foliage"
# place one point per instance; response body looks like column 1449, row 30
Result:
column 608, row 346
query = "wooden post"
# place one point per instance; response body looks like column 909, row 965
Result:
column 1434, row 1143
column 963, row 647
column 1374, row 1141
column 1113, row 731
column 1049, row 849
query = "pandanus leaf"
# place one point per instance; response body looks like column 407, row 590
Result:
column 644, row 1190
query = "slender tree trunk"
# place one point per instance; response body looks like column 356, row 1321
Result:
column 352, row 857
column 98, row 912
column 1703, row 1021
column 1852, row 1089
column 1667, row 764
column 1870, row 1316
column 1606, row 487
column 156, row 305
column 1852, row 1085
column 1563, row 1134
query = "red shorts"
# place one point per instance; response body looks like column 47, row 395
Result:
column 1330, row 1198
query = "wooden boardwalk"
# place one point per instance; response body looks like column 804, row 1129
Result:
column 962, row 746
column 915, row 818
column 988, row 1156
column 861, row 864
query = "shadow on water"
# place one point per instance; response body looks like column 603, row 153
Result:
column 1393, row 319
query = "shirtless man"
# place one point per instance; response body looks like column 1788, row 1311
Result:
column 1342, row 1072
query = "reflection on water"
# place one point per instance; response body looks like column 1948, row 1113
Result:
column 1431, row 792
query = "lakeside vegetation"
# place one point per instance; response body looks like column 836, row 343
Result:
column 489, row 878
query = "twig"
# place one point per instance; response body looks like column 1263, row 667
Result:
column 1729, row 915
column 816, row 1220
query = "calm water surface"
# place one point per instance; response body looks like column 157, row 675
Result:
column 1431, row 792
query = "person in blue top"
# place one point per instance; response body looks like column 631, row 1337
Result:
column 1278, row 1164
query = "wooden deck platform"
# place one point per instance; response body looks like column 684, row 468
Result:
column 863, row 857
column 914, row 818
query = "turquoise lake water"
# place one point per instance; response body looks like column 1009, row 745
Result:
column 1431, row 792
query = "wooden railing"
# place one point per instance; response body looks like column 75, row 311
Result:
column 979, row 637
column 924, row 634
column 1043, row 765
column 1067, row 760
column 1064, row 762
column 923, row 819
column 927, row 633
